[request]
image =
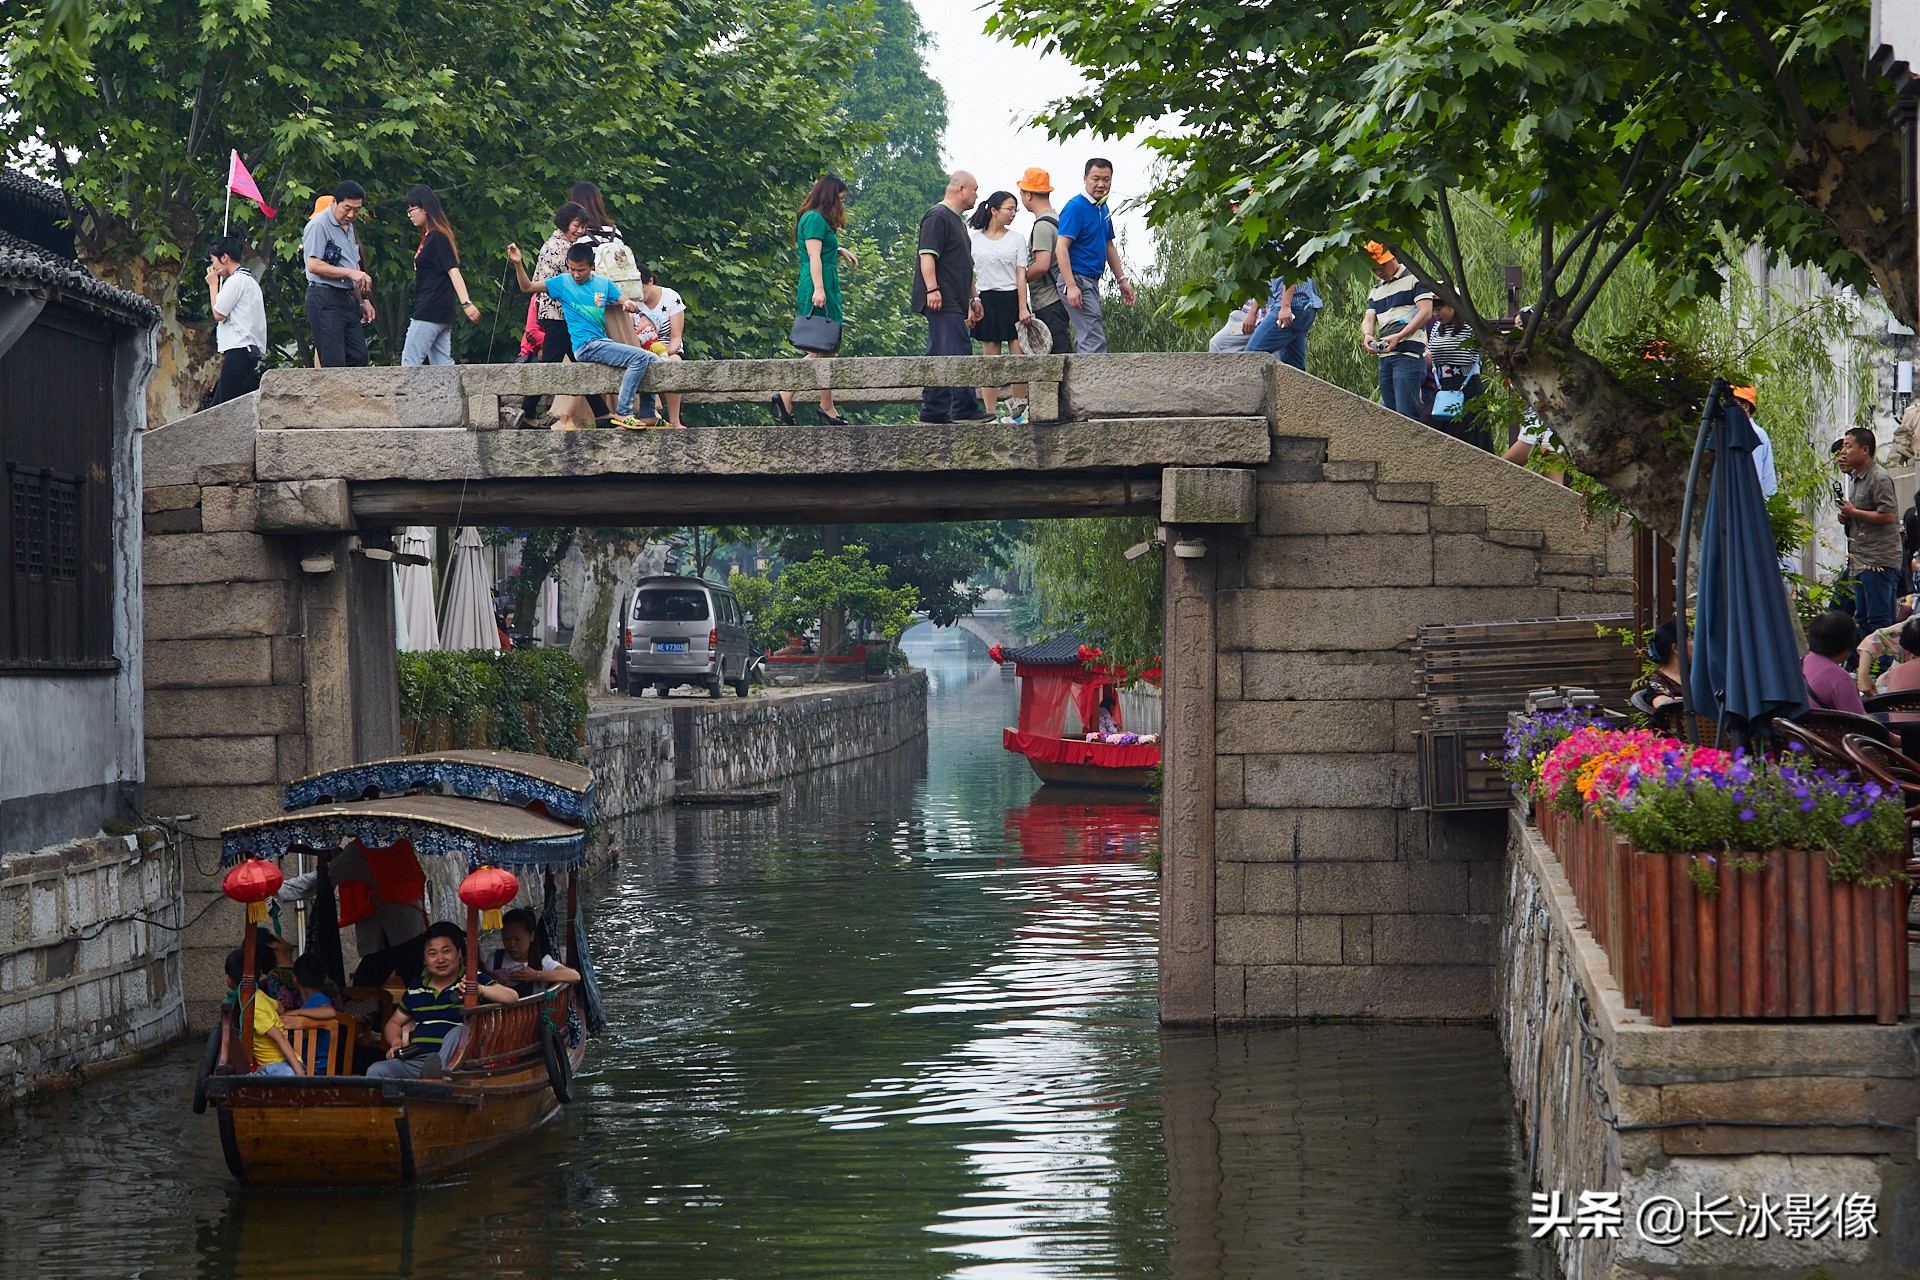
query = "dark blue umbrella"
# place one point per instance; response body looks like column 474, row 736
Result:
column 1746, row 664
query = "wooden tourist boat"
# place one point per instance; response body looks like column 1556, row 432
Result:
column 1058, row 674
column 514, row 1065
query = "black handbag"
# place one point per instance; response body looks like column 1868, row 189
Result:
column 816, row 333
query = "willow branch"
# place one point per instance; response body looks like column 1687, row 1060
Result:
column 1632, row 238
column 1464, row 287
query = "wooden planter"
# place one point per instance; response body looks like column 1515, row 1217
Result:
column 1782, row 941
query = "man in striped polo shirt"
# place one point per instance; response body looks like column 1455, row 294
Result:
column 426, row 1026
column 1394, row 328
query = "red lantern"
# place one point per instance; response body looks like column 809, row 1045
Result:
column 252, row 882
column 487, row 890
column 997, row 654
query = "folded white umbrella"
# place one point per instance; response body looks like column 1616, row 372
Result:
column 419, row 630
column 468, row 621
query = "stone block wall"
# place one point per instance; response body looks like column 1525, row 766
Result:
column 1332, row 895
column 644, row 751
column 1816, row 1109
column 89, row 972
column 258, row 671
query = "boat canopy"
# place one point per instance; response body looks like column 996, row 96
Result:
column 1054, row 676
column 559, row 788
column 1060, row 673
column 481, row 831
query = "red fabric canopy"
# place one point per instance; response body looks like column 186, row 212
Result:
column 1047, row 692
column 1059, row 750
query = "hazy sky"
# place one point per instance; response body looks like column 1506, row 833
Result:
column 993, row 88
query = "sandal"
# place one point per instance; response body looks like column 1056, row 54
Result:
column 833, row 420
column 624, row 421
column 541, row 423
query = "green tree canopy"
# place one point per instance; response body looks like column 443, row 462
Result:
column 844, row 582
column 702, row 121
column 1599, row 129
column 943, row 563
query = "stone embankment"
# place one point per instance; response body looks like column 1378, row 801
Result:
column 1729, row 1116
column 89, row 969
column 645, row 751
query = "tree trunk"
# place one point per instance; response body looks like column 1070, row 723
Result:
column 613, row 567
column 185, row 362
column 1638, row 449
column 1850, row 171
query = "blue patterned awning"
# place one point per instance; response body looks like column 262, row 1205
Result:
column 482, row 832
column 562, row 789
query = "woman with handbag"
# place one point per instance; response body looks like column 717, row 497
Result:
column 1453, row 365
column 816, row 328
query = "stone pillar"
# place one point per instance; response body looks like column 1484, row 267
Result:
column 1187, row 786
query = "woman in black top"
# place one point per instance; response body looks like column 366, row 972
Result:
column 436, row 283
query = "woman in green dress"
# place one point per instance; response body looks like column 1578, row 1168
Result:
column 821, row 217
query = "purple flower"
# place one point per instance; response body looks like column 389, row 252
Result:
column 1801, row 792
column 1875, row 791
column 1795, row 747
column 1746, row 815
column 1806, row 806
column 1855, row 819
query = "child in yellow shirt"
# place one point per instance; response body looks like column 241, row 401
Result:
column 272, row 1051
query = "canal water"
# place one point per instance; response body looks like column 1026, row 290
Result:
column 901, row 1025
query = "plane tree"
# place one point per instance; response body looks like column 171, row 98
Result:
column 1597, row 130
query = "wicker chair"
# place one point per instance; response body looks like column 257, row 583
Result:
column 1890, row 768
column 1826, row 749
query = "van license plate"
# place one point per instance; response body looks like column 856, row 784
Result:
column 671, row 648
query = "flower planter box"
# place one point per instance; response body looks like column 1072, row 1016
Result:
column 1782, row 940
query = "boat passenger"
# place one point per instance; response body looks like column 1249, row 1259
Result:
column 272, row 1051
column 316, row 1008
column 380, row 891
column 426, row 1025
column 1109, row 704
column 522, row 938
column 273, row 967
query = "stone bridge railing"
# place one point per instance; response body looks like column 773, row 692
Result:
column 1060, row 388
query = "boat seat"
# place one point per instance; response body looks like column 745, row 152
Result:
column 306, row 1043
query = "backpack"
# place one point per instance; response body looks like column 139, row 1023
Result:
column 1053, row 272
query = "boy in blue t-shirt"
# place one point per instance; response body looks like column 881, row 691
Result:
column 316, row 1008
column 583, row 297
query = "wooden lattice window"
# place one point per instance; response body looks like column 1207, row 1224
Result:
column 56, row 486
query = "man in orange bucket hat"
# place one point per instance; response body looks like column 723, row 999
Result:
column 1395, row 329
column 1043, row 271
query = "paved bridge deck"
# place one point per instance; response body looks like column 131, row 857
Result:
column 403, row 446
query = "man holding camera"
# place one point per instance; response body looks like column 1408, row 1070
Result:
column 1395, row 329
column 1871, row 518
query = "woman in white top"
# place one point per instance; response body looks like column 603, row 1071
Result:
column 659, row 325
column 999, row 277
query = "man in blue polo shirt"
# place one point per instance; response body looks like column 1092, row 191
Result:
column 1086, row 245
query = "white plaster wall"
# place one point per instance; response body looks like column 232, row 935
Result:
column 69, row 731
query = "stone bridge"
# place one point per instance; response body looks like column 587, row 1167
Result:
column 1309, row 532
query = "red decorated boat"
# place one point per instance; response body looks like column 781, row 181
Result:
column 1062, row 675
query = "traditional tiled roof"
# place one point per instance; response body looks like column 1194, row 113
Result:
column 1061, row 651
column 30, row 267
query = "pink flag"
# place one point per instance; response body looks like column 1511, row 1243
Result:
column 238, row 179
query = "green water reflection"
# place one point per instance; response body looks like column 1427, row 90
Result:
column 899, row 1026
